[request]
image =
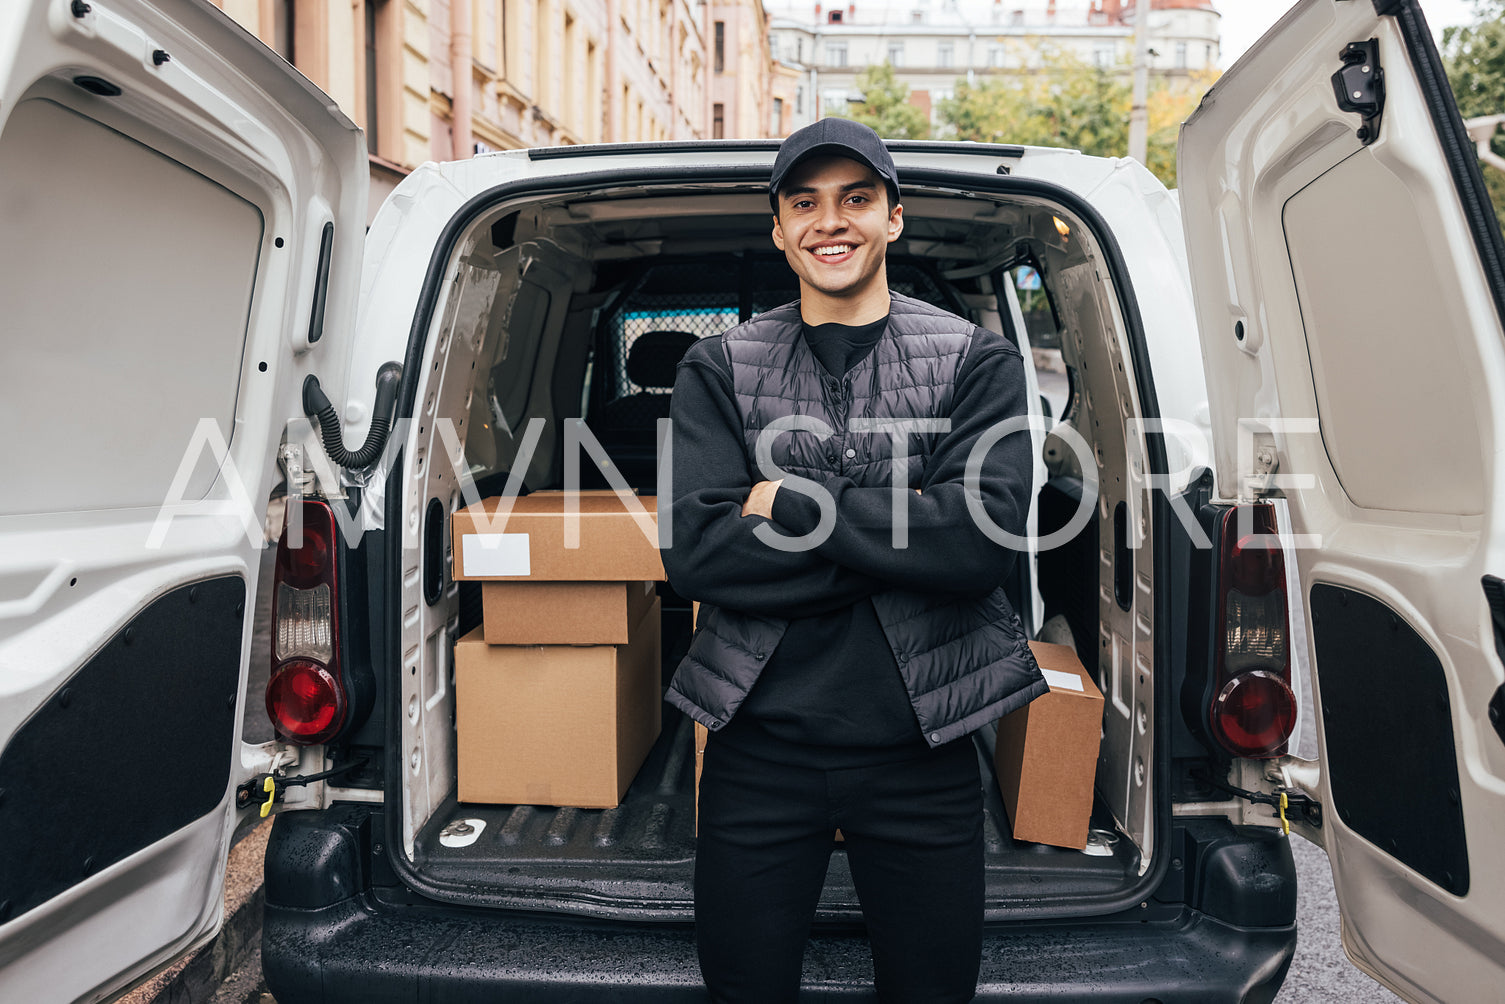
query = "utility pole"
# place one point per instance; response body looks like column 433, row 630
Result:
column 1139, row 116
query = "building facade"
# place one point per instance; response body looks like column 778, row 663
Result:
column 540, row 72
column 741, row 71
column 934, row 43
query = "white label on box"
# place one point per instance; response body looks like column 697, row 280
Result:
column 494, row 554
column 1062, row 681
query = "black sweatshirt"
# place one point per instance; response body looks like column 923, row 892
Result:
column 831, row 694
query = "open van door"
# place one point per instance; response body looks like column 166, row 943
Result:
column 1348, row 275
column 182, row 218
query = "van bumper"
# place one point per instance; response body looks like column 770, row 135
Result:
column 334, row 931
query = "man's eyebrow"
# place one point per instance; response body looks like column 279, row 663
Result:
column 809, row 190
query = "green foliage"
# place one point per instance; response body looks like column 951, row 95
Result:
column 1066, row 102
column 1475, row 59
column 885, row 106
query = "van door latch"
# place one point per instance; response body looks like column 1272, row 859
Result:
column 1359, row 86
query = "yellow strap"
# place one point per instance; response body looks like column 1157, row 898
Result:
column 1285, row 824
column 270, row 787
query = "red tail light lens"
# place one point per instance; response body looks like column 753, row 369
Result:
column 306, row 696
column 1253, row 711
column 1254, row 714
column 302, row 564
column 305, row 702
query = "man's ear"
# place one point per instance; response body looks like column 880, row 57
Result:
column 895, row 223
column 778, row 234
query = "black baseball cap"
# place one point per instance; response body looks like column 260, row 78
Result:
column 833, row 137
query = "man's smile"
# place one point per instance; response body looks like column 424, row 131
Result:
column 833, row 252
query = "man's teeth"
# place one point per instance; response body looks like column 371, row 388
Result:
column 834, row 249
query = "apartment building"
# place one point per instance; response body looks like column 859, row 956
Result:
column 540, row 72
column 741, row 71
column 933, row 43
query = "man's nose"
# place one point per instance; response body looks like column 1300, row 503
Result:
column 832, row 217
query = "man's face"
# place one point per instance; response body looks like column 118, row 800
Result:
column 834, row 225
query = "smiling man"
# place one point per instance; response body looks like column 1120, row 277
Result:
column 853, row 631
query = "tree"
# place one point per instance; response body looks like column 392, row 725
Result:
column 885, row 106
column 1475, row 59
column 1067, row 102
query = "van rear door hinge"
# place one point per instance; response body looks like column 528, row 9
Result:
column 1288, row 802
column 1359, row 86
column 270, row 788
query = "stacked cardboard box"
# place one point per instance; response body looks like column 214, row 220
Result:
column 557, row 693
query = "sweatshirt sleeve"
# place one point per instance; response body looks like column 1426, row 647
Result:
column 948, row 550
column 715, row 556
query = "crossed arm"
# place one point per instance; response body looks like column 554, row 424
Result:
column 717, row 556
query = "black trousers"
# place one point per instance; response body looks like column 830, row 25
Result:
column 913, row 833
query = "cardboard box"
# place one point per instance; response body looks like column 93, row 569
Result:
column 1046, row 755
column 556, row 724
column 701, row 735
column 612, row 542
column 563, row 613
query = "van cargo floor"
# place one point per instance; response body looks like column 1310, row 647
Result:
column 636, row 861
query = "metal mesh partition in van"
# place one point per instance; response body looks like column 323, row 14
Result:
column 703, row 298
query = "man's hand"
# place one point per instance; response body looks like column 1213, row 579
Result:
column 760, row 499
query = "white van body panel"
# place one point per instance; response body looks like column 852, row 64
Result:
column 168, row 233
column 1341, row 291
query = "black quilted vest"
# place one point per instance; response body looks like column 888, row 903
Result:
column 964, row 661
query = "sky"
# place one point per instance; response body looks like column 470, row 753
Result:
column 1245, row 20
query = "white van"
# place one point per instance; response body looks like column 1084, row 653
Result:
column 182, row 277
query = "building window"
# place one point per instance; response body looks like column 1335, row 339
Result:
column 836, row 54
column 720, row 56
column 372, row 132
column 833, row 17
column 1016, row 18
column 799, row 50
column 1102, row 56
column 1180, row 55
column 799, row 100
column 916, row 17
column 778, row 117
column 282, row 29
column 718, row 121
column 542, row 57
column 380, row 78
column 773, row 47
column 1206, row 56
column 945, row 54
column 896, row 54
column 995, row 56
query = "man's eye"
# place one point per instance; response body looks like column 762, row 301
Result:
column 858, row 199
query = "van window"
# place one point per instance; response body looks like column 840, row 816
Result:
column 704, row 298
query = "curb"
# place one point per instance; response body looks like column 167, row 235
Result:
column 195, row 979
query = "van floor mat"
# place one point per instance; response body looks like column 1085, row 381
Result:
column 636, row 861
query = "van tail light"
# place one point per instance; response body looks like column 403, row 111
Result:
column 1253, row 708
column 306, row 697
